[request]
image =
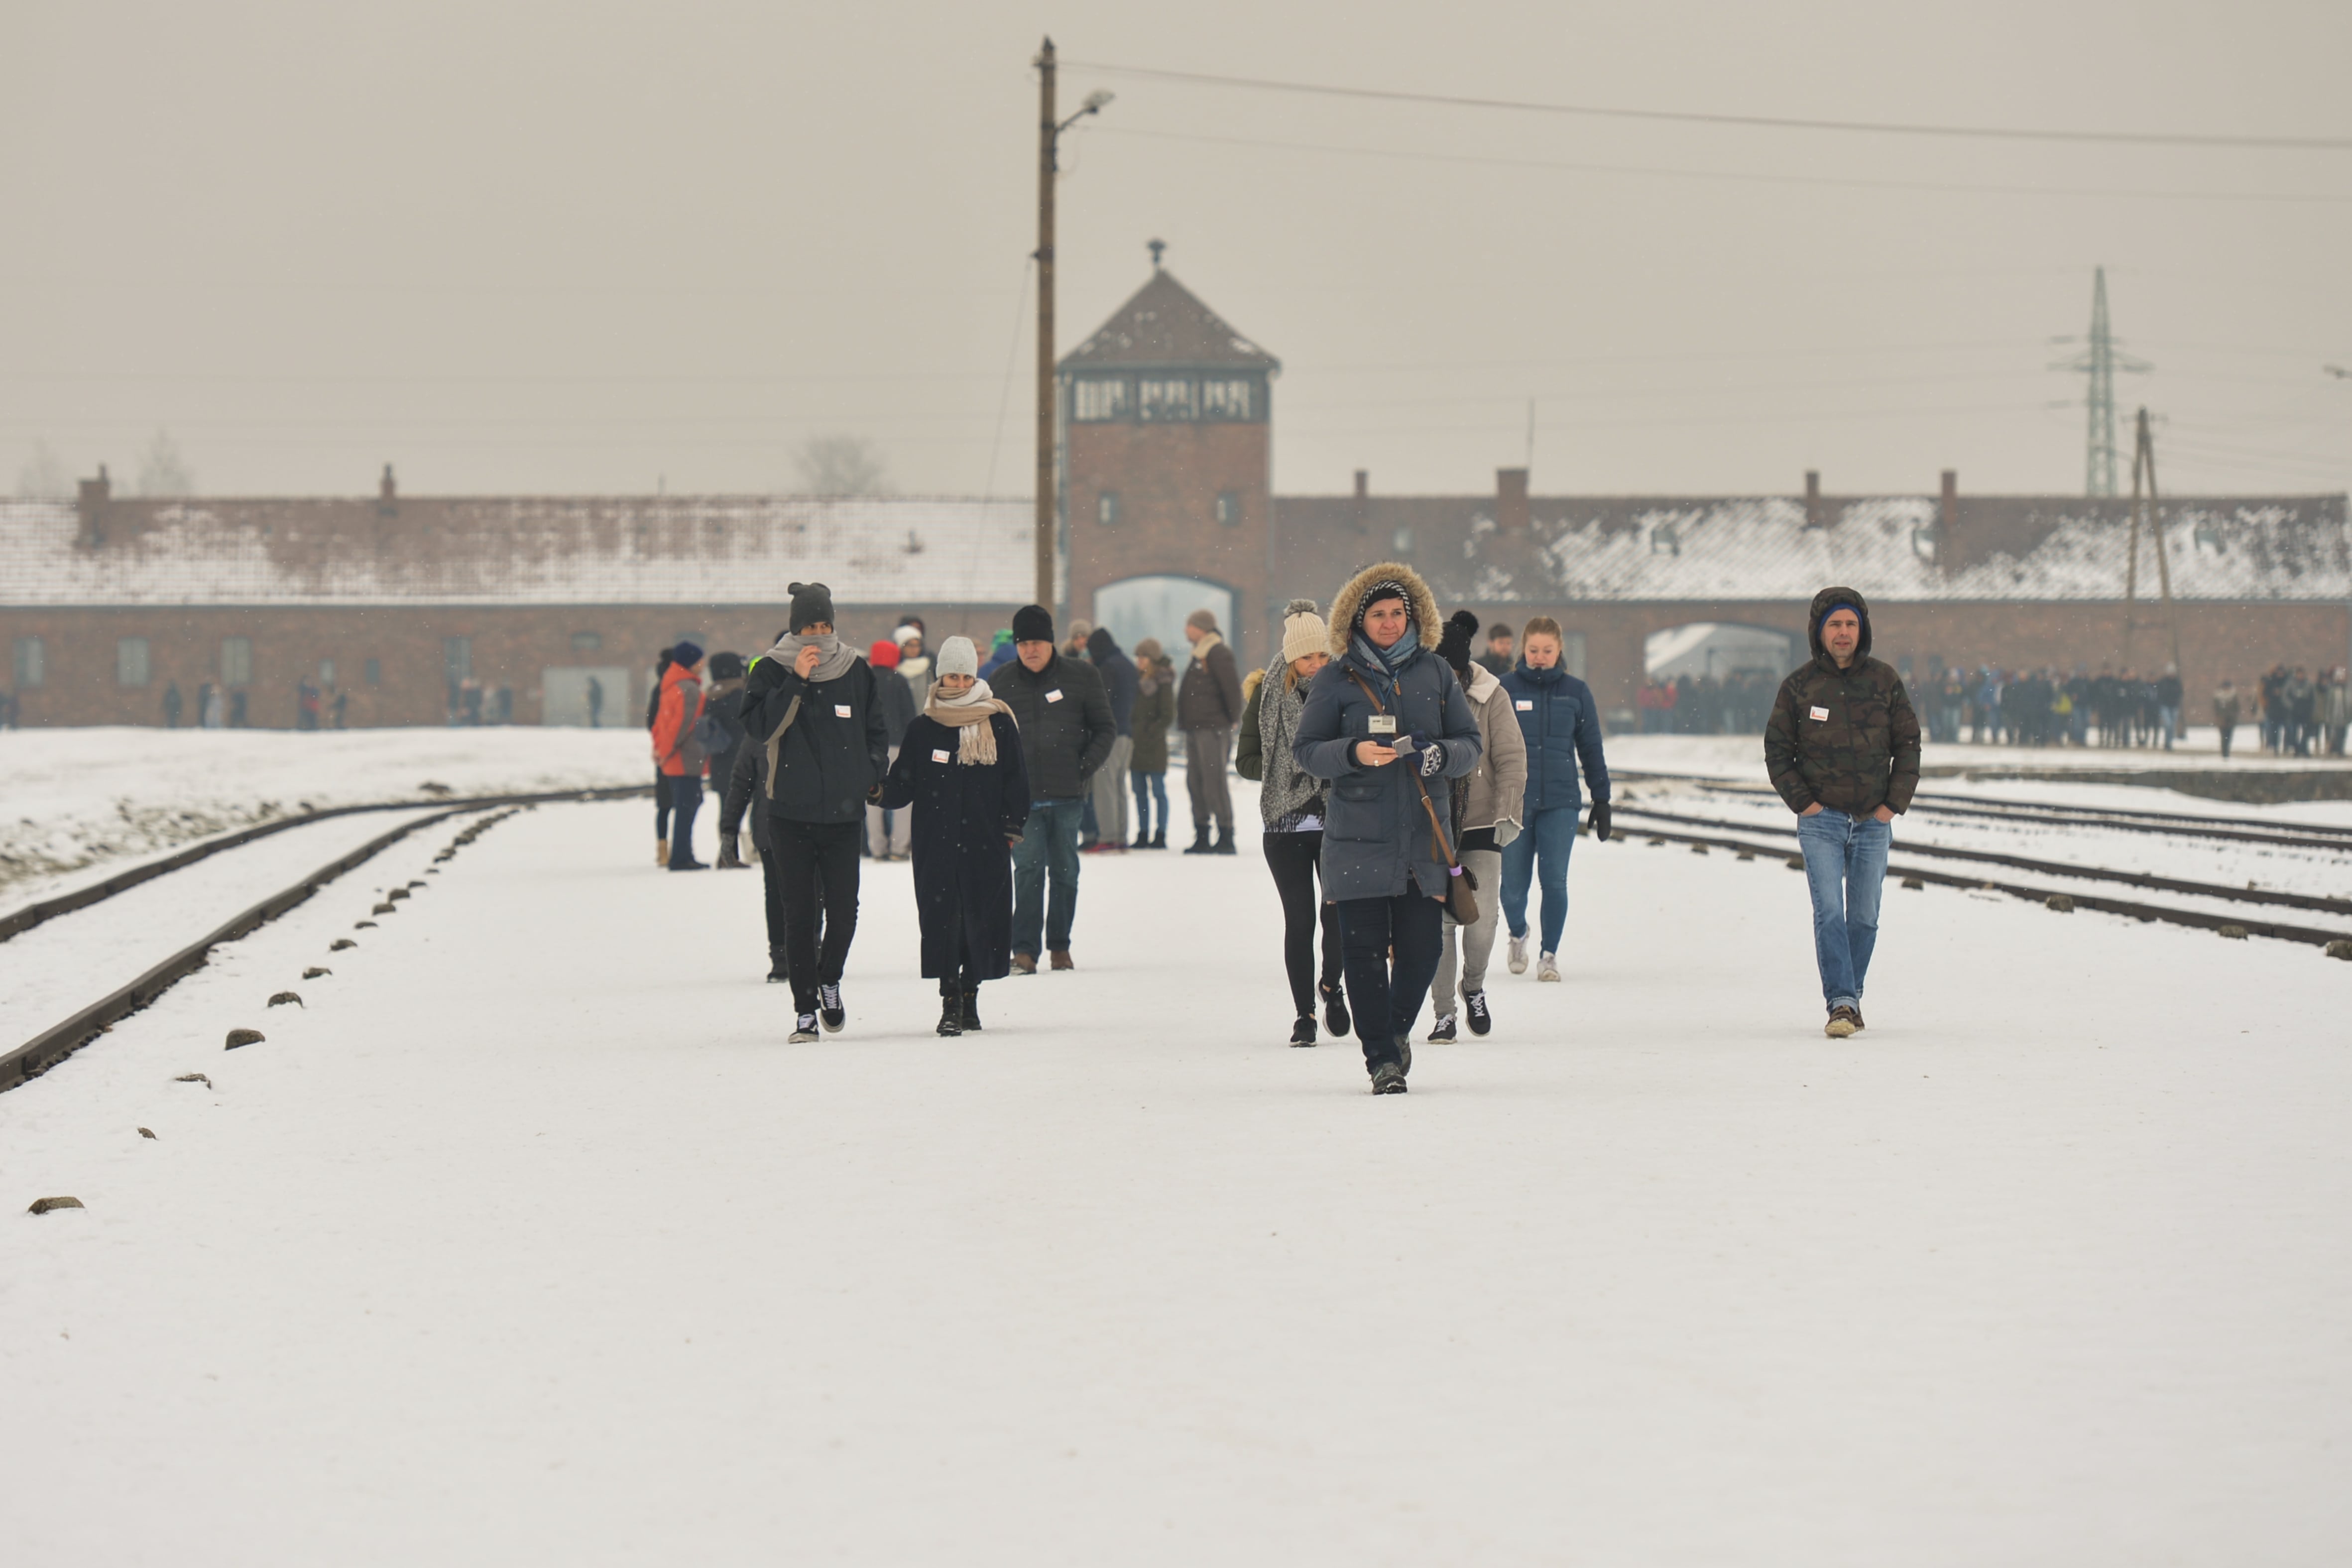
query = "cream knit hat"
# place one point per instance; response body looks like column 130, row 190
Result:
column 1302, row 631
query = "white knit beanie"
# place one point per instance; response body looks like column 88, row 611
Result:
column 958, row 656
column 1302, row 631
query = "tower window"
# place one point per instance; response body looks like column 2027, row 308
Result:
column 131, row 661
column 1403, row 542
column 371, row 671
column 1106, row 508
column 587, row 642
column 1229, row 509
column 31, row 660
column 1232, row 397
column 1168, row 397
column 1098, row 398
column 237, row 661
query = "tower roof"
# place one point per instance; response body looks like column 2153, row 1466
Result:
column 1164, row 326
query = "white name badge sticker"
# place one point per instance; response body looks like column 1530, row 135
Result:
column 841, row 710
column 1053, row 696
column 1821, row 715
column 1525, row 705
column 938, row 756
column 1383, row 724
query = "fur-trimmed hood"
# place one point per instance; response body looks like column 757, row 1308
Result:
column 1426, row 621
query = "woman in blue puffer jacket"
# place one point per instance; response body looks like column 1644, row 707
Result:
column 1381, row 864
column 1562, row 726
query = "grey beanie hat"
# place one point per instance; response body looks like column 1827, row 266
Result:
column 958, row 656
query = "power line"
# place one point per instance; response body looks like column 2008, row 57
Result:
column 1769, row 121
column 1651, row 172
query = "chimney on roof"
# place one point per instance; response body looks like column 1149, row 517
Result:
column 91, row 508
column 387, row 494
column 1812, row 498
column 1511, row 499
column 1363, row 498
column 1948, row 518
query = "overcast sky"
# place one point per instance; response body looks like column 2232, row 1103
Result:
column 583, row 246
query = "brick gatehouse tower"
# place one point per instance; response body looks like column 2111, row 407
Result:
column 1167, row 472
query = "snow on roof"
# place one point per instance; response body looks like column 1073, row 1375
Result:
column 1166, row 326
column 584, row 550
column 2292, row 549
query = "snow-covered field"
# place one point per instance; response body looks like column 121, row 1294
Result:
column 527, row 1239
column 95, row 800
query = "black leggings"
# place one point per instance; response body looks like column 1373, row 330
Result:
column 817, row 862
column 1296, row 860
column 1413, row 926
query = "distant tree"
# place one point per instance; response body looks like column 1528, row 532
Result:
column 841, row 465
column 44, row 476
column 162, row 471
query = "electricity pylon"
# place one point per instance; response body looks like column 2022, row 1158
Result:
column 2100, row 362
column 2144, row 464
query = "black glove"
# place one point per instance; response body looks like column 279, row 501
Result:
column 1599, row 820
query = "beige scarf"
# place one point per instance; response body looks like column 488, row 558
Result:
column 1201, row 649
column 976, row 748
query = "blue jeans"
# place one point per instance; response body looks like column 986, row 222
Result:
column 1845, row 866
column 1049, row 845
column 1540, row 854
column 1150, row 788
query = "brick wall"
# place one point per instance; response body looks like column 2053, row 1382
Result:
column 1168, row 478
column 510, row 644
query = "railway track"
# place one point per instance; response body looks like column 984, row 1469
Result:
column 1740, row 837
column 53, row 1044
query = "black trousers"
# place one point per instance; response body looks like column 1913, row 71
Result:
column 771, row 884
column 818, row 865
column 965, row 981
column 1388, row 1001
column 685, row 792
column 1295, row 859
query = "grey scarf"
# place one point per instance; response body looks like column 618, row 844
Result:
column 834, row 655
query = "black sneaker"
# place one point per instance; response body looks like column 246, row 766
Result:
column 1302, row 1033
column 829, row 1001
column 778, row 975
column 971, row 1012
column 950, row 1016
column 803, row 1028
column 1335, row 1009
column 1444, row 1033
column 1473, row 1003
column 1404, row 1053
column 1388, row 1078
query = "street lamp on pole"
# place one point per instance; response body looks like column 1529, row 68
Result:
column 1049, row 134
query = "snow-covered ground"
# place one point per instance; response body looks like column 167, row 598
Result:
column 86, row 803
column 529, row 1239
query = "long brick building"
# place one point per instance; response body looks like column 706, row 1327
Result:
column 400, row 604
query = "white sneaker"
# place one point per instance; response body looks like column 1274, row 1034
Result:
column 1519, row 955
column 1546, row 968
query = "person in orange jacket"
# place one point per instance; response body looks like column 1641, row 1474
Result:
column 676, row 752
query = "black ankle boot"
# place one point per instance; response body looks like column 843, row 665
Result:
column 778, row 973
column 1160, row 839
column 950, row 1016
column 1203, row 843
column 972, row 1011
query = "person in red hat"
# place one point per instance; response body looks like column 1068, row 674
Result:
column 891, row 835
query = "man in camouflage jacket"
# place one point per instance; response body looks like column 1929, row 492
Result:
column 1842, row 748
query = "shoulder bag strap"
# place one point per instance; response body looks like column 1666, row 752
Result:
column 775, row 745
column 1439, row 849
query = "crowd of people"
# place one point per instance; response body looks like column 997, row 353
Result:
column 2295, row 713
column 1451, row 789
column 1733, row 704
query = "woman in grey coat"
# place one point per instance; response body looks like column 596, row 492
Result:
column 1293, row 802
column 1386, row 723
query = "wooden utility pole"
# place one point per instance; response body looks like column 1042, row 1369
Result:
column 2143, row 494
column 1048, row 486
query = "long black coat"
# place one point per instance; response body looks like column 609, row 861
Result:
column 964, row 868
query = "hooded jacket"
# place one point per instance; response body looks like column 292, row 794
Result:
column 677, row 705
column 1119, row 677
column 1844, row 739
column 1155, row 710
column 1376, row 838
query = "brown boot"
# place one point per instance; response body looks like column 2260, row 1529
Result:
column 661, row 851
column 1062, row 959
column 1844, row 1021
column 1024, row 963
